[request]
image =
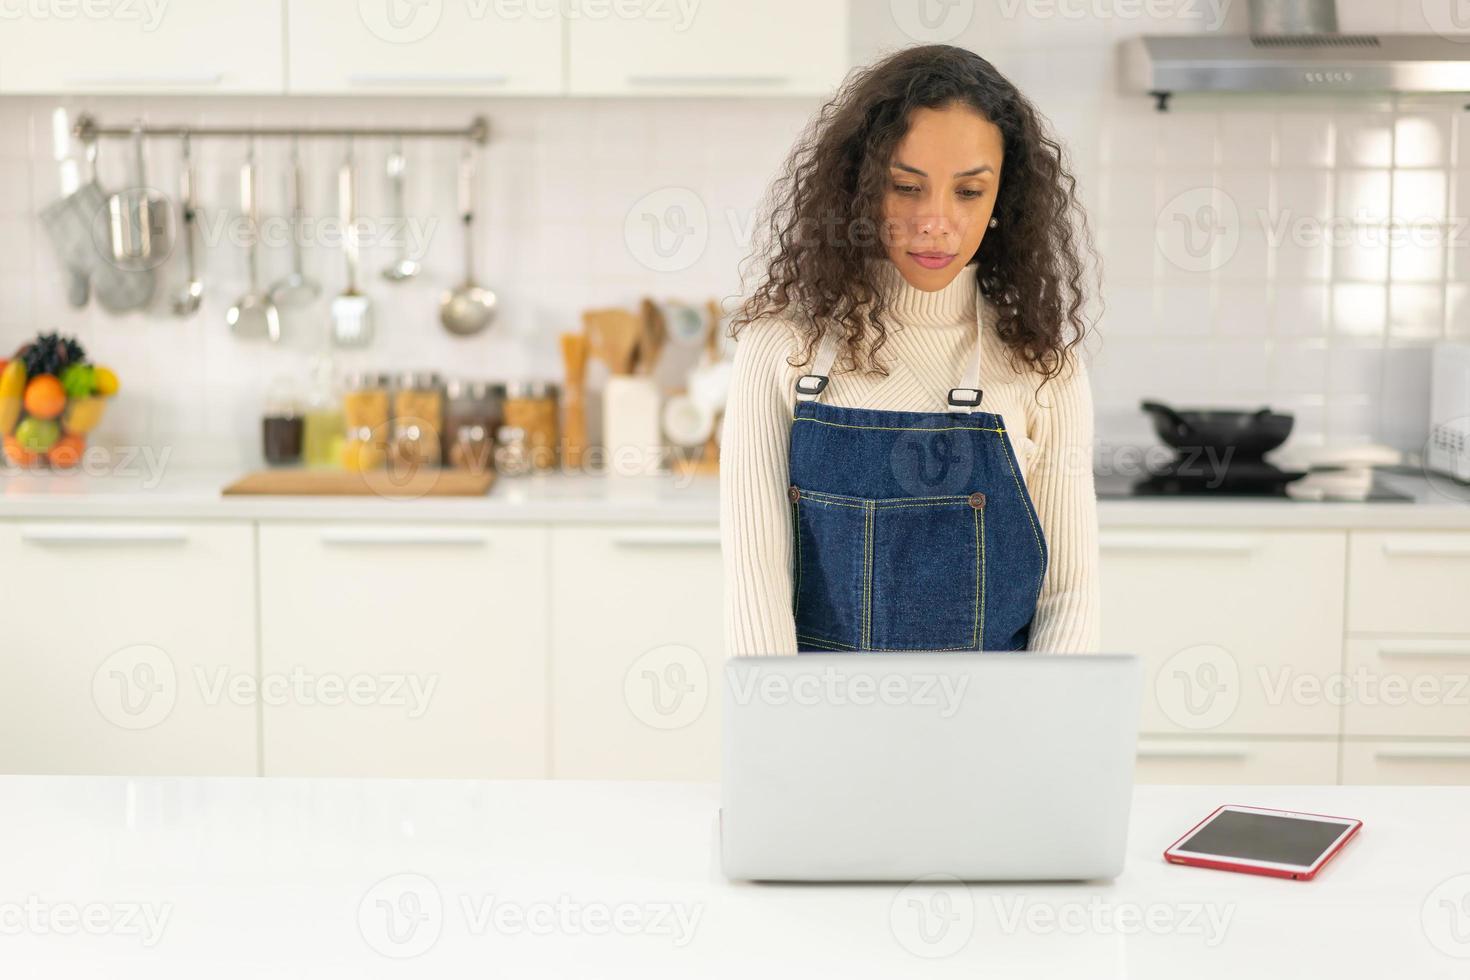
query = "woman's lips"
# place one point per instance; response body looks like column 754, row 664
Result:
column 932, row 260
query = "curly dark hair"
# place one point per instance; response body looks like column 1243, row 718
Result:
column 826, row 211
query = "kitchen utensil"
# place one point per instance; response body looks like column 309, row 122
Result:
column 686, row 422
column 295, row 289
column 470, row 308
column 686, row 324
column 253, row 315
column 78, row 289
column 613, row 336
column 69, row 236
column 574, row 404
column 352, row 312
column 187, row 300
column 1246, row 435
column 404, row 268
column 138, row 219
column 650, row 339
column 88, row 236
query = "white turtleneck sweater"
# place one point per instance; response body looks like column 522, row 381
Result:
column 931, row 334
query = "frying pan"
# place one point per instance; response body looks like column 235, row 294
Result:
column 1248, row 435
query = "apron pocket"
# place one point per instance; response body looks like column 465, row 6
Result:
column 829, row 570
column 895, row 573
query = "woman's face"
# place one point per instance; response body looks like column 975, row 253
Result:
column 941, row 189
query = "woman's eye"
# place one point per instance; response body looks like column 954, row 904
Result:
column 906, row 188
column 971, row 195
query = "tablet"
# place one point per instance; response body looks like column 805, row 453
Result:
column 1280, row 843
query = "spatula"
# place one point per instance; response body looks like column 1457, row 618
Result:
column 352, row 312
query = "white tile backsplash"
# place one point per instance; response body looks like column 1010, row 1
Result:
column 1290, row 305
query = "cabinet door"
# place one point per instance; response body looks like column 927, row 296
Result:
column 178, row 46
column 1224, row 761
column 122, row 645
column 1406, row 763
column 403, row 650
column 1410, row 582
column 1407, row 685
column 1240, row 631
column 389, row 47
column 716, row 47
column 636, row 653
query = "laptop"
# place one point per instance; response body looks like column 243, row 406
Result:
column 897, row 766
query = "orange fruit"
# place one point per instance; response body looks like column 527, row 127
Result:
column 17, row 455
column 45, row 398
column 67, row 452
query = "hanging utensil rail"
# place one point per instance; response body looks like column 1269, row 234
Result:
column 87, row 129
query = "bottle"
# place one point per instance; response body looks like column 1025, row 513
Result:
column 323, row 430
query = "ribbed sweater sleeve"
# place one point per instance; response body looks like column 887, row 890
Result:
column 755, row 514
column 1061, row 484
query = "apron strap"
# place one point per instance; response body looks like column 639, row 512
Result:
column 962, row 400
column 809, row 386
column 966, row 398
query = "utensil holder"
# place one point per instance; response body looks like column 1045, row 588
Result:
column 630, row 412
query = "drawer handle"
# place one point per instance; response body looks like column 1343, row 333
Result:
column 84, row 535
column 1196, row 543
column 1424, row 754
column 652, row 81
column 199, row 78
column 396, row 537
column 1426, row 648
column 1427, row 549
column 1192, row 752
column 667, row 539
column 387, row 78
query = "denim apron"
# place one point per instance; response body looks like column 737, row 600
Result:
column 910, row 530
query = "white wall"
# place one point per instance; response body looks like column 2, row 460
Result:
column 1338, row 336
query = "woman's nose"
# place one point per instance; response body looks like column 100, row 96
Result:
column 933, row 220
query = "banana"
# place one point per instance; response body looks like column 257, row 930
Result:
column 82, row 415
column 13, row 379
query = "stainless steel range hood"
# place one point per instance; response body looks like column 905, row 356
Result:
column 1294, row 46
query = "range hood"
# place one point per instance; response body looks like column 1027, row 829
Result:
column 1294, row 46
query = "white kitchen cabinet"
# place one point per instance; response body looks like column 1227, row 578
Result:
column 1240, row 630
column 1410, row 685
column 177, row 47
column 636, row 652
column 389, row 47
column 1409, row 582
column 716, row 47
column 1227, row 761
column 121, row 643
column 403, row 649
column 1421, row 763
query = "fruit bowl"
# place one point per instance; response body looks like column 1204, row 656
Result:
column 51, row 397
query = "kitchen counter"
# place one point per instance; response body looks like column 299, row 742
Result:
column 163, row 878
column 175, row 493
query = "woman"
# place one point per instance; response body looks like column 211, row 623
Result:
column 907, row 446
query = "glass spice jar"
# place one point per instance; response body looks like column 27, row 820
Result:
column 418, row 420
column 281, row 425
column 532, row 406
column 472, row 415
column 365, row 417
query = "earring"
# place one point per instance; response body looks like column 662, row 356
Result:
column 994, row 222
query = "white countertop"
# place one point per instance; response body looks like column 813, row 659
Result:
column 411, row 878
column 175, row 493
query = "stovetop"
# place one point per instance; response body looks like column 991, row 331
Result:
column 1247, row 479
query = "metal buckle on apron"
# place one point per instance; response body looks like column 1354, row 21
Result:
column 818, row 384
column 964, row 397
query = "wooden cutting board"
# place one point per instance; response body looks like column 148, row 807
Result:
column 425, row 482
